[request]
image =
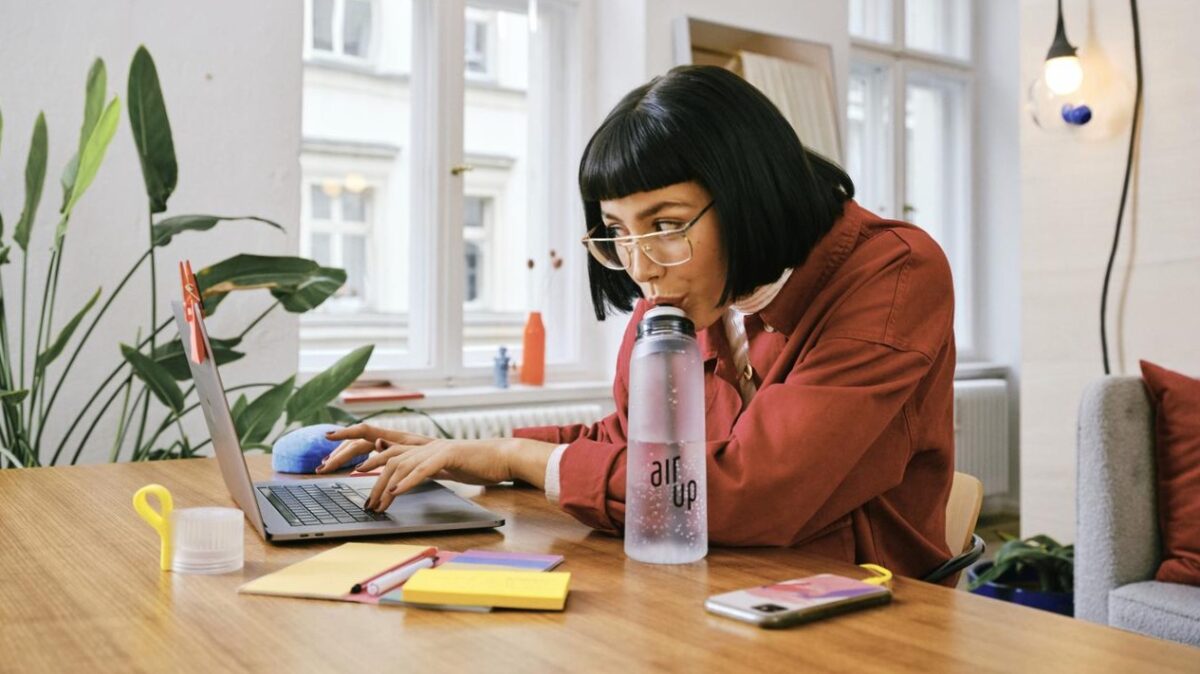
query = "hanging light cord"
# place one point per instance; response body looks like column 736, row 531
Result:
column 1133, row 134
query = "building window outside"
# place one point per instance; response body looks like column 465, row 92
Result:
column 518, row 88
column 338, row 229
column 341, row 27
column 476, row 211
column 911, row 60
column 478, row 43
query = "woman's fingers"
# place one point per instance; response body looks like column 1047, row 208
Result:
column 404, row 438
column 418, row 474
column 344, row 452
column 383, row 452
column 355, row 432
column 393, row 464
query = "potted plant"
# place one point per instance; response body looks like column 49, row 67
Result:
column 1037, row 572
column 149, row 386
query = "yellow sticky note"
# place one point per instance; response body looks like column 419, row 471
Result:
column 504, row 589
column 331, row 574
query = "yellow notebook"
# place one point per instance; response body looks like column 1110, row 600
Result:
column 332, row 573
column 503, row 589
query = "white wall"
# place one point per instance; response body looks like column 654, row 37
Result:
column 997, row 195
column 644, row 29
column 231, row 77
column 1071, row 189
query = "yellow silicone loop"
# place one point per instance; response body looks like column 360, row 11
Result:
column 882, row 576
column 161, row 521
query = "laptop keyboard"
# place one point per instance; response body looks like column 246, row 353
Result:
column 312, row 505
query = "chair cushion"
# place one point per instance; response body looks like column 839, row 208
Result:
column 1176, row 401
column 1165, row 610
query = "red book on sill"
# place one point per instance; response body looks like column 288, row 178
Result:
column 378, row 394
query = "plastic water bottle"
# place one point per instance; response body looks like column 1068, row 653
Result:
column 666, row 504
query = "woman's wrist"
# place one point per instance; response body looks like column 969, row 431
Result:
column 526, row 459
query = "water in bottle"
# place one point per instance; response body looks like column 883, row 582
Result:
column 666, row 513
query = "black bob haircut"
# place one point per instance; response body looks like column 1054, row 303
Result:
column 773, row 198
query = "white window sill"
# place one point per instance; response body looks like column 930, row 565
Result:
column 490, row 396
column 981, row 370
column 572, row 391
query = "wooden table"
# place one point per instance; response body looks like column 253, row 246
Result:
column 80, row 590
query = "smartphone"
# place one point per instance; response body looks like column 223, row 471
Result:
column 797, row 601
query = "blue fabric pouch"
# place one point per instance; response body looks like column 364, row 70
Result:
column 302, row 450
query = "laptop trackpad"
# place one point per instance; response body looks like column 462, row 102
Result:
column 425, row 504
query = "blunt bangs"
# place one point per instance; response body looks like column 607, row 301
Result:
column 634, row 152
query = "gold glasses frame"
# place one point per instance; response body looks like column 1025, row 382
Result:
column 642, row 242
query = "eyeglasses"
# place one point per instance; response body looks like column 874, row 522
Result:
column 668, row 248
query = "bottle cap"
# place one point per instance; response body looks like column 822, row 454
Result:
column 207, row 540
column 665, row 319
column 664, row 310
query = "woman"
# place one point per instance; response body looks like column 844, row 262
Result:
column 827, row 336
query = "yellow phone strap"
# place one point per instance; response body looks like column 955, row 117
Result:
column 881, row 575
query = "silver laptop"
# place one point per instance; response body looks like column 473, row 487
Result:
column 287, row 510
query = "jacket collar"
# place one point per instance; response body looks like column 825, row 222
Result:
column 807, row 280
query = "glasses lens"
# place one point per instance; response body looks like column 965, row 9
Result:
column 669, row 249
column 608, row 254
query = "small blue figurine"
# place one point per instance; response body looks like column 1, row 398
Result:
column 1076, row 115
column 500, row 368
column 302, row 450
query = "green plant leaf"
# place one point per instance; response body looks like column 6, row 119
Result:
column 151, row 130
column 13, row 398
column 329, row 414
column 170, row 356
column 319, row 391
column 89, row 162
column 156, row 377
column 4, row 250
column 93, row 103
column 35, row 179
column 56, row 348
column 311, row 293
column 248, row 272
column 261, row 415
column 238, row 408
column 166, row 229
column 1044, row 541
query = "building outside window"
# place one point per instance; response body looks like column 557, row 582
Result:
column 340, row 27
column 438, row 302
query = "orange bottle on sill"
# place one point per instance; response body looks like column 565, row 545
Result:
column 533, row 351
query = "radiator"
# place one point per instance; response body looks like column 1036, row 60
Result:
column 492, row 422
column 981, row 432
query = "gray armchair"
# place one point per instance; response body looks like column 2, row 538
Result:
column 1117, row 545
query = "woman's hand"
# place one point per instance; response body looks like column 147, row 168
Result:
column 469, row 461
column 406, row 466
column 363, row 439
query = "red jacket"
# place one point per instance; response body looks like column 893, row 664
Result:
column 847, row 449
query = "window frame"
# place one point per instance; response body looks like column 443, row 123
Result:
column 337, row 28
column 907, row 65
column 435, row 356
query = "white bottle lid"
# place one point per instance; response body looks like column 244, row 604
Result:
column 664, row 310
column 207, row 540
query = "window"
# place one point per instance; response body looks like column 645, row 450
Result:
column 338, row 230
column 476, row 212
column 467, row 112
column 919, row 70
column 938, row 26
column 340, row 27
column 478, row 43
column 871, row 19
